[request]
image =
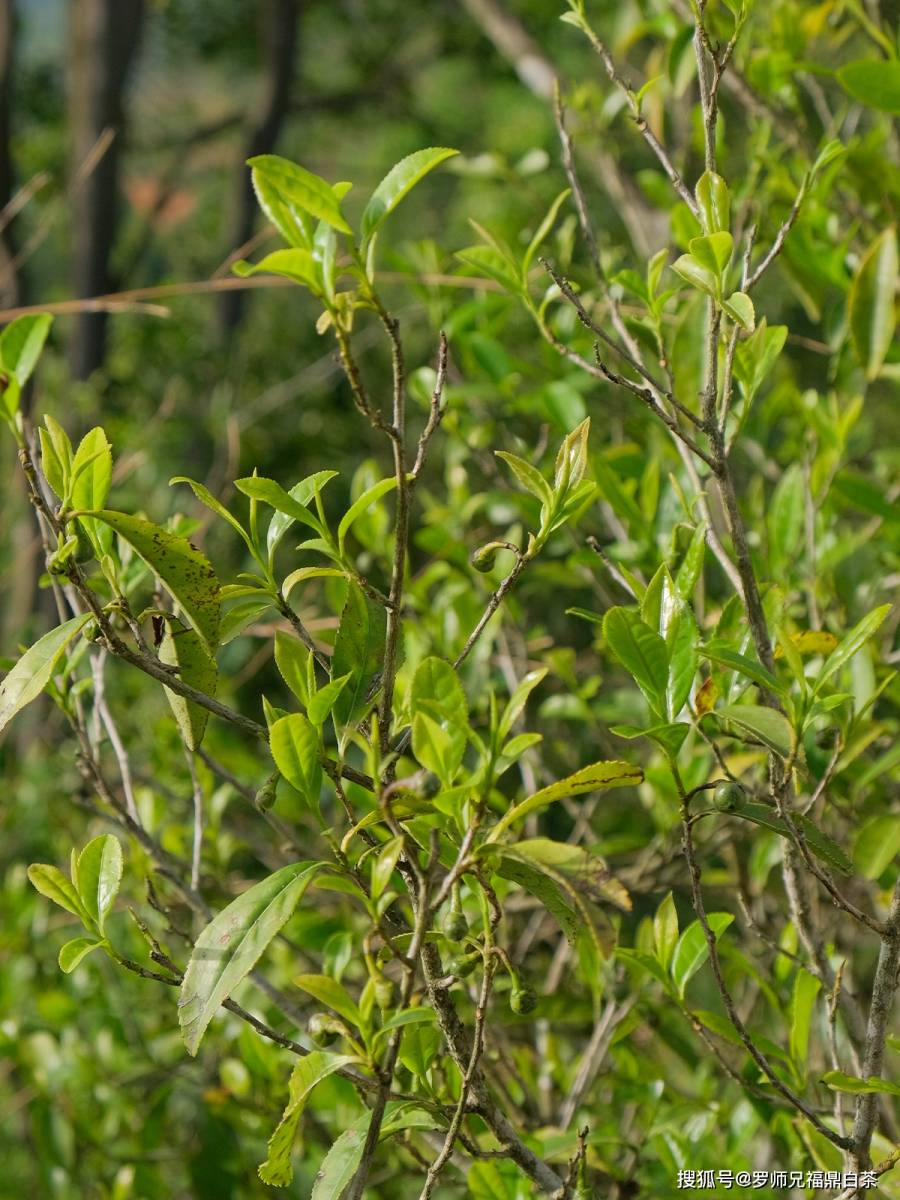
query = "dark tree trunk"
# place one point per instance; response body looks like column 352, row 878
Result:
column 10, row 285
column 280, row 19
column 104, row 37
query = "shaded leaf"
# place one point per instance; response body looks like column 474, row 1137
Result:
column 872, row 302
column 183, row 647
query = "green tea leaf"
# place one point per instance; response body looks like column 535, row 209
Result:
column 803, row 997
column 71, row 954
column 851, row 643
column 642, row 652
column 329, row 992
column 339, row 1164
column 296, row 748
column 872, row 302
column 839, row 1082
column 359, row 506
column 597, row 777
column 874, row 81
column 692, row 949
column 294, row 185
column 185, row 572
column 21, row 343
column 33, row 671
column 51, row 882
column 231, row 944
column 397, row 183
column 99, row 873
column 183, row 647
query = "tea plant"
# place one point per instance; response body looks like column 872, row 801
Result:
column 472, row 995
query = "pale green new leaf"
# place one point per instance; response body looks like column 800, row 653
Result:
column 359, row 506
column 98, row 875
column 33, row 671
column 71, row 954
column 231, row 944
column 304, row 493
column 50, row 882
column 294, row 185
column 21, row 343
column 397, row 183
column 296, row 748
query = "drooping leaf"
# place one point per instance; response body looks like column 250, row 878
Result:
column 33, row 671
column 770, row 727
column 328, row 991
column 397, row 183
column 872, row 302
column 750, row 668
column 231, row 944
column 596, row 777
column 205, row 496
column 185, row 572
column 99, row 873
column 518, row 868
column 183, row 647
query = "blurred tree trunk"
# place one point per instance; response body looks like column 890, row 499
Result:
column 10, row 287
column 278, row 36
column 104, row 36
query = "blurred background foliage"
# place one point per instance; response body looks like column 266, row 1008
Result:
column 127, row 124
